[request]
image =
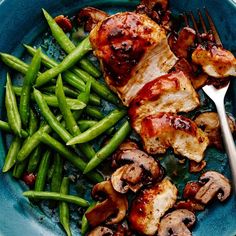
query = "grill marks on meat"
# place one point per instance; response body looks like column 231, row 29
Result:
column 165, row 130
column 169, row 93
column 133, row 50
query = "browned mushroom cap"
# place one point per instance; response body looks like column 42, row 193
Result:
column 151, row 4
column 112, row 209
column 210, row 124
column 215, row 185
column 177, row 223
column 101, row 231
column 139, row 169
column 90, row 16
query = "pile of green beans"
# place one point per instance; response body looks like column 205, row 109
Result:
column 55, row 117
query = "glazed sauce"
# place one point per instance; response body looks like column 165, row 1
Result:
column 122, row 41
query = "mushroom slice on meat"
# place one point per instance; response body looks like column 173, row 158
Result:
column 150, row 205
column 177, row 223
column 152, row 4
column 90, row 16
column 210, row 124
column 101, row 231
column 184, row 41
column 169, row 93
column 215, row 184
column 165, row 130
column 139, row 169
column 216, row 62
column 133, row 50
column 112, row 209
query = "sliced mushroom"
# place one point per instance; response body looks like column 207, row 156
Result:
column 210, row 124
column 157, row 10
column 184, row 41
column 191, row 205
column 90, row 16
column 138, row 169
column 112, row 209
column 215, row 185
column 101, row 231
column 177, row 223
column 195, row 167
column 152, row 4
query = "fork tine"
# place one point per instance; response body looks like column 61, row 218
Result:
column 202, row 22
column 194, row 22
column 213, row 29
column 185, row 19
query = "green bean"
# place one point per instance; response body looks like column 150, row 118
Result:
column 28, row 82
column 57, row 174
column 79, row 74
column 67, row 90
column 42, row 172
column 15, row 63
column 84, row 97
column 84, row 222
column 64, row 211
column 51, row 100
column 94, row 112
column 67, row 76
column 13, row 115
column 88, row 66
column 103, row 125
column 68, row 46
column 50, row 118
column 86, row 124
column 68, row 62
column 12, row 154
column 34, row 159
column 71, row 124
column 51, row 171
column 97, row 87
column 42, row 195
column 31, row 143
column 110, row 147
column 19, row 169
column 33, row 123
column 69, row 155
column 6, row 127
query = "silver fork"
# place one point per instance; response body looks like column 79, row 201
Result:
column 218, row 96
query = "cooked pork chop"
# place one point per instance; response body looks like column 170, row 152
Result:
column 133, row 50
column 169, row 93
column 150, row 206
column 164, row 130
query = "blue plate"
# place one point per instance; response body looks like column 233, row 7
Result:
column 22, row 22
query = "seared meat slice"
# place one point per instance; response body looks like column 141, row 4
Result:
column 151, row 205
column 198, row 79
column 165, row 130
column 133, row 50
column 169, row 93
column 216, row 62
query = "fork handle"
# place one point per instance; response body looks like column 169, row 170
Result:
column 228, row 140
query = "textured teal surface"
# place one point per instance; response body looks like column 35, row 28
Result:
column 22, row 22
